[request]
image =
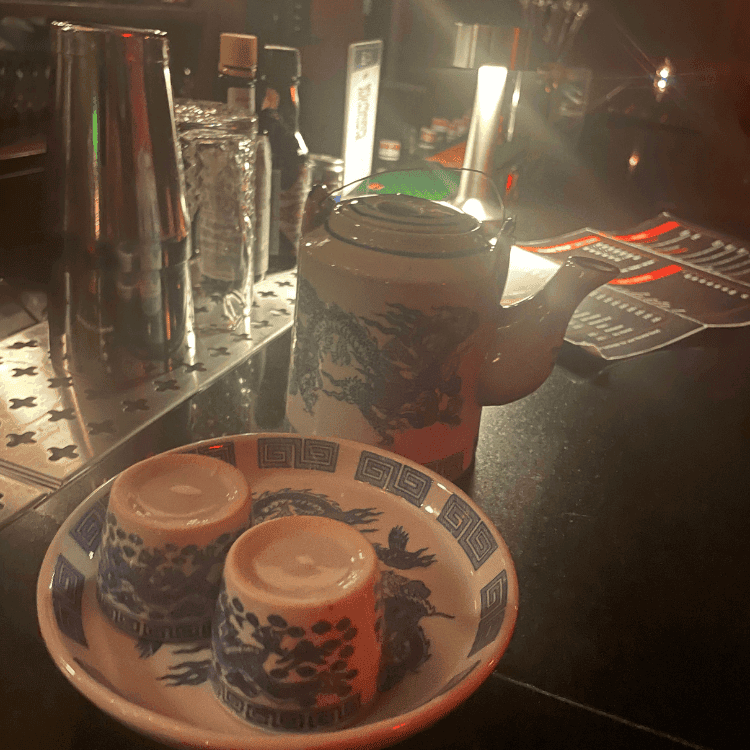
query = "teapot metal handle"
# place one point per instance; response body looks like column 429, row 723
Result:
column 486, row 205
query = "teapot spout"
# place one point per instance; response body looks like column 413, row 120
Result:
column 530, row 333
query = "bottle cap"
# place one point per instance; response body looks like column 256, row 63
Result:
column 238, row 55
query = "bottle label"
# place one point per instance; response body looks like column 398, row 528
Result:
column 389, row 150
column 241, row 98
column 427, row 136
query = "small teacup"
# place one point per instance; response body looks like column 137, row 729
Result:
column 297, row 635
column 170, row 523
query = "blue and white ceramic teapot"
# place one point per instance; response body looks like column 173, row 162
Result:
column 399, row 334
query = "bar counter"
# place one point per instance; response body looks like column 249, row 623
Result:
column 622, row 494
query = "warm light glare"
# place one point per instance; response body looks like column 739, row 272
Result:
column 95, row 155
column 474, row 207
column 490, row 86
column 664, row 72
column 516, row 96
column 634, row 159
column 661, row 84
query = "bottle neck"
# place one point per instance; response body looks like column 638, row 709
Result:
column 238, row 92
column 283, row 97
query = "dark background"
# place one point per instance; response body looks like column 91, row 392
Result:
column 695, row 156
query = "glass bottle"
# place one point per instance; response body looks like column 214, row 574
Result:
column 291, row 175
column 238, row 68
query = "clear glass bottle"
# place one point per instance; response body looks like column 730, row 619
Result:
column 219, row 146
column 279, row 120
column 238, row 68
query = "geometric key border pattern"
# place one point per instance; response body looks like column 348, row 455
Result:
column 393, row 476
column 472, row 534
column 297, row 453
column 224, row 451
column 67, row 598
column 494, row 597
column 87, row 532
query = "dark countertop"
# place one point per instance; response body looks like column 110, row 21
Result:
column 621, row 492
column 622, row 498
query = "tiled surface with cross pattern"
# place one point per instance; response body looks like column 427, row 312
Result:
column 54, row 423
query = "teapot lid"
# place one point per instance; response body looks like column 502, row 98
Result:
column 407, row 226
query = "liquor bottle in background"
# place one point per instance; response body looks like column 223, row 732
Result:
column 238, row 68
column 440, row 126
column 461, row 128
column 409, row 140
column 291, row 182
column 291, row 174
column 389, row 155
column 426, row 143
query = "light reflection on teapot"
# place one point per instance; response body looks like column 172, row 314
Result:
column 399, row 334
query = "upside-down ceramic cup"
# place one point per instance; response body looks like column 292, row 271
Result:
column 297, row 635
column 171, row 520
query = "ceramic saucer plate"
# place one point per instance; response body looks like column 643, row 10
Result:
column 451, row 598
